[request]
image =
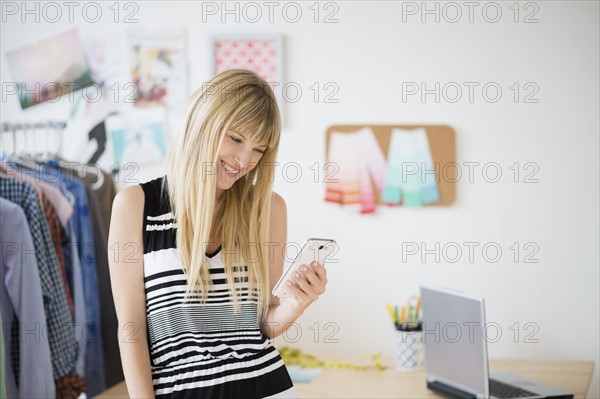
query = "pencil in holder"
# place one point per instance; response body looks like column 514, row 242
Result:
column 410, row 349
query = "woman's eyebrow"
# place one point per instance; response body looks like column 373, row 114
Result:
column 244, row 137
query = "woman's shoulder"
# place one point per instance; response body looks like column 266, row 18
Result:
column 278, row 209
column 138, row 191
column 154, row 196
column 277, row 202
column 130, row 198
column 131, row 192
column 143, row 198
column 127, row 214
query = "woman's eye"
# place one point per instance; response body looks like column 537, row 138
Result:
column 236, row 140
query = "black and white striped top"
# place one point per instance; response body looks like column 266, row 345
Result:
column 201, row 351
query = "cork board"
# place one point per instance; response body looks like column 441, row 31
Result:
column 442, row 144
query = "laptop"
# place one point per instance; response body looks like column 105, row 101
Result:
column 456, row 358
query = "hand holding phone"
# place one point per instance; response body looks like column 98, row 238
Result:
column 313, row 250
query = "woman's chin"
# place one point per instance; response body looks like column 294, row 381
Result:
column 226, row 183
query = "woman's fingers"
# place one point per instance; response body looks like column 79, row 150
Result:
column 321, row 272
column 310, row 282
column 310, row 275
column 299, row 292
column 317, row 276
column 302, row 282
column 317, row 283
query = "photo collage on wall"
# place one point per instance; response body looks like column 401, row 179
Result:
column 138, row 73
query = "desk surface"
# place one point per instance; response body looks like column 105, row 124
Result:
column 573, row 376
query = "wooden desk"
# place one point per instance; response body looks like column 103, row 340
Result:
column 574, row 376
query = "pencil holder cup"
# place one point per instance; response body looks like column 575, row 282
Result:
column 410, row 349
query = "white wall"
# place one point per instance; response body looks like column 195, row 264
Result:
column 369, row 53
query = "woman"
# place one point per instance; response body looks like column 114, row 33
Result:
column 193, row 324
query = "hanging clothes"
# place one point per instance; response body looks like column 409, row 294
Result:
column 23, row 309
column 71, row 384
column 105, row 191
column 70, row 255
column 90, row 335
column 108, row 316
column 2, row 384
column 55, row 234
column 56, row 317
column 101, row 191
column 54, row 205
column 75, row 208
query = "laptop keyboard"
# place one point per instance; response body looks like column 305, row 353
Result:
column 505, row 391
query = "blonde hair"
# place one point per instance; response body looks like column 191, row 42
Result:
column 237, row 100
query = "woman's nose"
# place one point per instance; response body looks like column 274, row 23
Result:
column 241, row 160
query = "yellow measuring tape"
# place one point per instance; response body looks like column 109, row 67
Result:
column 292, row 356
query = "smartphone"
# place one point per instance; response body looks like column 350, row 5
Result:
column 313, row 249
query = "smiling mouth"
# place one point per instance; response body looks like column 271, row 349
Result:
column 229, row 170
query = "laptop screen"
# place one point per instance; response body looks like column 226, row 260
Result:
column 455, row 349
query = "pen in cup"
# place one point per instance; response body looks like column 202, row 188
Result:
column 406, row 317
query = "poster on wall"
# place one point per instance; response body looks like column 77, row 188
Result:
column 262, row 54
column 49, row 69
column 363, row 176
column 87, row 133
column 106, row 53
column 158, row 68
column 138, row 137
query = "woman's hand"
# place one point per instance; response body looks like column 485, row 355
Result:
column 311, row 282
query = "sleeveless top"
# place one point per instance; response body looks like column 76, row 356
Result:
column 201, row 350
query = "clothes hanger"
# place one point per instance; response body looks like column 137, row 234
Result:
column 5, row 128
column 32, row 159
column 42, row 156
column 24, row 158
column 55, row 128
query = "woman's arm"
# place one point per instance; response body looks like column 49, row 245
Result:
column 126, row 264
column 281, row 315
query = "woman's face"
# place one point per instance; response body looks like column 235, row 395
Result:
column 238, row 156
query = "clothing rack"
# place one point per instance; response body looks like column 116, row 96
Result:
column 67, row 208
column 55, row 126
